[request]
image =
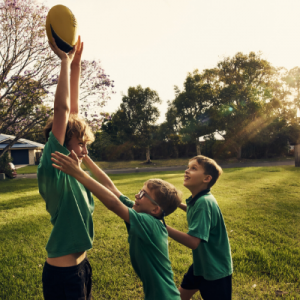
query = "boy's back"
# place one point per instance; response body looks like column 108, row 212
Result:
column 148, row 239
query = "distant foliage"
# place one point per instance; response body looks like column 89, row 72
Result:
column 29, row 72
column 4, row 165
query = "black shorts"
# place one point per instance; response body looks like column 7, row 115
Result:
column 220, row 289
column 66, row 283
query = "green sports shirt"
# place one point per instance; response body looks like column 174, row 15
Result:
column 212, row 258
column 148, row 248
column 69, row 204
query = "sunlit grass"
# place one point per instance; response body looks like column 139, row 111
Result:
column 261, row 207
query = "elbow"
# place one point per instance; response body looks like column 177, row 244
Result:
column 193, row 247
column 195, row 244
column 59, row 108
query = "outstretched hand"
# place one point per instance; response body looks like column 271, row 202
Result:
column 67, row 164
column 77, row 57
column 61, row 54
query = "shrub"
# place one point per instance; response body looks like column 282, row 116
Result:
column 4, row 165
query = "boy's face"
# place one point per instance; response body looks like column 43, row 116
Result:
column 195, row 177
column 144, row 204
column 78, row 147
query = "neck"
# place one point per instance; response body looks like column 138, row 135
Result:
column 197, row 190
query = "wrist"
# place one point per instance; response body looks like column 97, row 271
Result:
column 80, row 174
column 65, row 61
column 75, row 65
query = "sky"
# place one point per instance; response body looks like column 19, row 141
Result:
column 156, row 43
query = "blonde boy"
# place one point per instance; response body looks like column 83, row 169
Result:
column 67, row 272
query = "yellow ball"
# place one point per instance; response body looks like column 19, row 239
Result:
column 61, row 25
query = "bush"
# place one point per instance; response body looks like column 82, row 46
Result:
column 4, row 165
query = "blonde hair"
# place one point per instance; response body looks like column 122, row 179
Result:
column 210, row 168
column 166, row 195
column 76, row 126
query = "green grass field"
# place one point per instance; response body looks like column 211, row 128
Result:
column 107, row 165
column 261, row 208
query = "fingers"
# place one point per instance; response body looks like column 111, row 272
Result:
column 79, row 43
column 57, row 167
column 74, row 156
column 81, row 48
column 73, row 50
column 59, row 157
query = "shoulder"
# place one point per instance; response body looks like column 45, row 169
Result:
column 143, row 220
column 207, row 201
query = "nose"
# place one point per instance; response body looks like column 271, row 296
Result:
column 85, row 150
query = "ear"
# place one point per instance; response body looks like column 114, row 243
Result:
column 156, row 210
column 207, row 179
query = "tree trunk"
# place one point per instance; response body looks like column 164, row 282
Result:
column 176, row 151
column 239, row 152
column 148, row 155
column 198, row 147
column 297, row 155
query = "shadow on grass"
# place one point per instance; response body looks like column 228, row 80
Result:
column 18, row 186
column 20, row 202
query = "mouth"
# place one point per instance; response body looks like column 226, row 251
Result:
column 186, row 178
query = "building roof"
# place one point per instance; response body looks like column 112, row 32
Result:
column 218, row 136
column 20, row 144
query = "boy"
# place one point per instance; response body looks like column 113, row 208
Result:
column 148, row 237
column 67, row 272
column 211, row 270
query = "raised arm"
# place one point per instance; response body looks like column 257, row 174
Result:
column 70, row 165
column 62, row 94
column 75, row 77
column 101, row 176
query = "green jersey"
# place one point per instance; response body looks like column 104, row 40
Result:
column 212, row 258
column 148, row 240
column 69, row 204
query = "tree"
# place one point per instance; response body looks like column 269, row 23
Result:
column 29, row 72
column 192, row 105
column 292, row 79
column 169, row 131
column 247, row 99
column 136, row 117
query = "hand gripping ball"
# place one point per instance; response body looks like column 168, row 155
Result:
column 61, row 25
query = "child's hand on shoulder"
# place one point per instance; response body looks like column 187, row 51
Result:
column 61, row 54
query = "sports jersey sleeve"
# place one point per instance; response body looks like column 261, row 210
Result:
column 50, row 180
column 142, row 225
column 126, row 201
column 200, row 223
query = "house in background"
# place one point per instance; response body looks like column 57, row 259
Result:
column 23, row 152
column 218, row 136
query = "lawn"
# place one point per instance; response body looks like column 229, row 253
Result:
column 133, row 164
column 261, row 208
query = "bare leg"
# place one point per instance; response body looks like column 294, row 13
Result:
column 186, row 294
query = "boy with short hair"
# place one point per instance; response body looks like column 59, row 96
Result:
column 211, row 270
column 148, row 236
column 67, row 272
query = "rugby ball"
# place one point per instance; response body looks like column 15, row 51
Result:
column 61, row 25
